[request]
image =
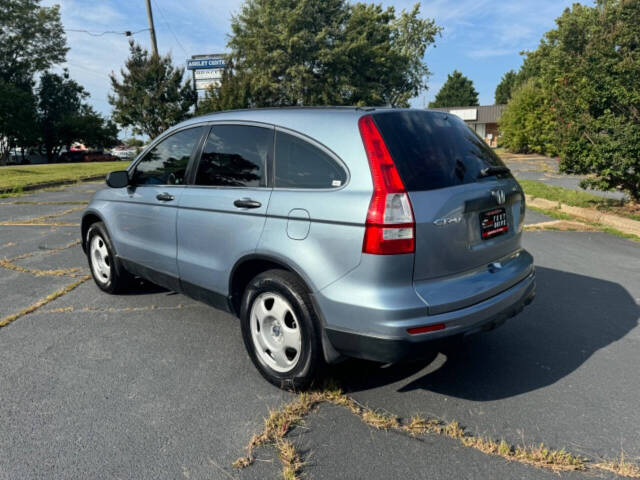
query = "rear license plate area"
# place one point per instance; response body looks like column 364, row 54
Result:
column 493, row 223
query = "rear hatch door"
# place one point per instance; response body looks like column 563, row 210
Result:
column 467, row 207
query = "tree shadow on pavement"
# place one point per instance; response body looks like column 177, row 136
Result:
column 572, row 317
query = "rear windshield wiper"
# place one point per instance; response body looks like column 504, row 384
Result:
column 493, row 170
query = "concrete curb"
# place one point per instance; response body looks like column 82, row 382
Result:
column 625, row 225
column 40, row 186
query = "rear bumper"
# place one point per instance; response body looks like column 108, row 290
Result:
column 400, row 345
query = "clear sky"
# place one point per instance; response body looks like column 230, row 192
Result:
column 481, row 38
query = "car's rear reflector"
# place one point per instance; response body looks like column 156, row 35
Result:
column 426, row 328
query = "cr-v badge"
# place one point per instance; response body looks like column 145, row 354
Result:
column 441, row 222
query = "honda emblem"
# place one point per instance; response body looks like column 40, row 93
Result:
column 499, row 196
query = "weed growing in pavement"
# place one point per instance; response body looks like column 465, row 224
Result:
column 40, row 303
column 281, row 421
column 43, row 218
column 60, row 272
column 621, row 466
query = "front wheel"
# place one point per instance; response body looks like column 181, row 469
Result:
column 108, row 274
column 280, row 330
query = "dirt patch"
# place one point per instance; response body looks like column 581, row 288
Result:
column 562, row 225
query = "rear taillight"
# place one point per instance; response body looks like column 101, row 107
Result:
column 390, row 228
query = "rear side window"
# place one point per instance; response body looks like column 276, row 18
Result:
column 235, row 156
column 167, row 162
column 302, row 165
column 434, row 150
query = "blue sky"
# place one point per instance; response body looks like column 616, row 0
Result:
column 481, row 38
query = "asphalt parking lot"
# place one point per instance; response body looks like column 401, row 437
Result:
column 154, row 385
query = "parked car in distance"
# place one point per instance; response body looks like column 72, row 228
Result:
column 124, row 152
column 76, row 156
column 329, row 232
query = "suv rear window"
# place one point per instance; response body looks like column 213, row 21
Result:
column 434, row 150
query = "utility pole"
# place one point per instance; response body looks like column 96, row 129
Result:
column 152, row 30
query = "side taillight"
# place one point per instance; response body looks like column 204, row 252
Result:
column 390, row 227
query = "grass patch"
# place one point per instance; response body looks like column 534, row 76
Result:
column 276, row 426
column 291, row 462
column 500, row 151
column 14, row 179
column 576, row 198
column 621, row 466
column 379, row 421
column 557, row 214
column 553, row 213
column 567, row 196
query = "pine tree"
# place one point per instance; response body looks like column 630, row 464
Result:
column 457, row 91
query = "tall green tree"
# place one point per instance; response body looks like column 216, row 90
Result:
column 233, row 93
column 31, row 40
column 457, row 91
column 505, row 87
column 528, row 124
column 325, row 52
column 64, row 117
column 152, row 95
column 588, row 68
column 17, row 116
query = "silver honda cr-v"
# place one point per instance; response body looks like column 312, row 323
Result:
column 329, row 232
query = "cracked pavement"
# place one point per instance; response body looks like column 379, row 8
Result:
column 155, row 385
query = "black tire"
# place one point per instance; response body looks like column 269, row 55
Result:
column 118, row 280
column 310, row 361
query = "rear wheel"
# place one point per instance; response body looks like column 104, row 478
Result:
column 280, row 329
column 107, row 272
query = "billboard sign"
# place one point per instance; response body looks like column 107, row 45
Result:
column 468, row 114
column 205, row 63
column 203, row 84
column 208, row 74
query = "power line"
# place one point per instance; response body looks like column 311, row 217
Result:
column 126, row 33
column 89, row 70
column 168, row 25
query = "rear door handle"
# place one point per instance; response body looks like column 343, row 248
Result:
column 247, row 203
column 164, row 197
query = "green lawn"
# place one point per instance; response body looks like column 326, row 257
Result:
column 577, row 198
column 16, row 178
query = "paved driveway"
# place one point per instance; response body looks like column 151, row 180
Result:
column 155, row 385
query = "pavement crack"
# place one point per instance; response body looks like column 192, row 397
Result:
column 41, row 220
column 9, row 263
column 118, row 310
column 282, row 421
column 60, row 202
column 59, row 272
column 43, row 301
column 49, row 251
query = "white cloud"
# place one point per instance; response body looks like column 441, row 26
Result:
column 487, row 52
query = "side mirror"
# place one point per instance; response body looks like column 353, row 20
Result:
column 118, row 179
